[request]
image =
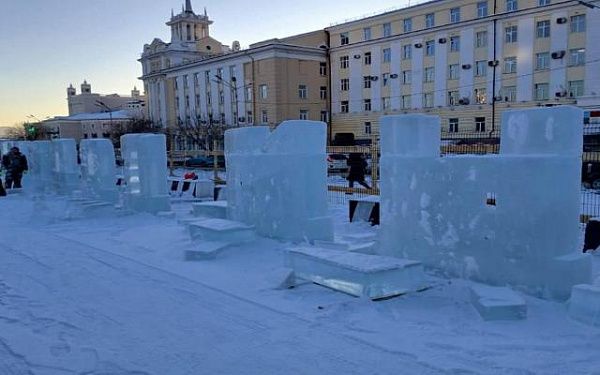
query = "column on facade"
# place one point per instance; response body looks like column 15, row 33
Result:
column 467, row 57
column 396, row 83
column 356, row 82
column 441, row 65
column 525, row 37
column 417, row 74
column 376, row 61
column 592, row 53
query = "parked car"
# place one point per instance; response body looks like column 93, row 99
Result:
column 205, row 162
column 337, row 163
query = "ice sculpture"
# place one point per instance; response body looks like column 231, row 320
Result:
column 65, row 169
column 145, row 157
column 503, row 219
column 98, row 169
column 278, row 181
column 40, row 165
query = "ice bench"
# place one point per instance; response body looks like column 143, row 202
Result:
column 584, row 304
column 214, row 209
column 371, row 276
column 498, row 303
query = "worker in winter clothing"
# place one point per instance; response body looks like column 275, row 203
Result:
column 356, row 173
column 15, row 163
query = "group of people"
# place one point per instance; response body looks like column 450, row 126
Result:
column 14, row 164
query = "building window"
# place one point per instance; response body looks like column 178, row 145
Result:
column 344, row 39
column 249, row 117
column 454, row 15
column 367, row 58
column 406, row 52
column 575, row 89
column 429, row 75
column 263, row 91
column 367, row 82
column 510, row 93
column 482, row 9
column 387, row 55
column 430, row 47
column 428, row 100
column 367, row 105
column 543, row 29
column 454, row 43
column 387, row 29
column 385, row 102
column 368, row 127
column 406, row 102
column 510, row 64
column 510, row 34
column 511, row 5
column 453, row 125
column 323, row 92
column 480, row 95
column 248, row 94
column 386, row 78
column 480, row 124
column 542, row 61
column 345, row 84
column 542, row 3
column 302, row 91
column 578, row 23
column 264, row 116
column 453, row 71
column 406, row 77
column 303, row 114
column 367, row 33
column 324, row 116
column 323, row 69
column 429, row 20
column 541, row 91
column 577, row 57
column 407, row 25
column 481, row 39
column 344, row 62
column 480, row 68
column 344, row 106
column 453, row 98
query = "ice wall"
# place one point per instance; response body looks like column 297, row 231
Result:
column 145, row 161
column 98, row 169
column 65, row 169
column 278, row 181
column 503, row 219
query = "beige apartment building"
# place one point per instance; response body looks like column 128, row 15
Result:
column 190, row 82
column 467, row 61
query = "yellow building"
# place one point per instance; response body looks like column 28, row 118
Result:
column 465, row 60
column 196, row 82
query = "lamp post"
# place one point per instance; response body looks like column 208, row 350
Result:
column 234, row 87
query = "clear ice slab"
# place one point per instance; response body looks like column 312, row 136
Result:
column 98, row 171
column 584, row 305
column 359, row 275
column 498, row 303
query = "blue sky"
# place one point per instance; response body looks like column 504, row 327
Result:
column 48, row 44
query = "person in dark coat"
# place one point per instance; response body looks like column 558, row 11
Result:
column 356, row 173
column 15, row 164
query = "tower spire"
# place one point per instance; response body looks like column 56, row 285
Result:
column 205, row 15
column 188, row 6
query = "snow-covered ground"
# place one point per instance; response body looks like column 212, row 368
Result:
column 113, row 295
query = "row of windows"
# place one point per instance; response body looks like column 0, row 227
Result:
column 481, row 40
column 454, row 14
column 542, row 62
column 453, row 125
column 509, row 94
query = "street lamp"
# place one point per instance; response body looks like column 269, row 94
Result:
column 233, row 87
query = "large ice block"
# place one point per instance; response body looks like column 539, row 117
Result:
column 40, row 166
column 98, row 169
column 357, row 274
column 145, row 161
column 278, row 181
column 500, row 219
column 64, row 166
column 584, row 304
